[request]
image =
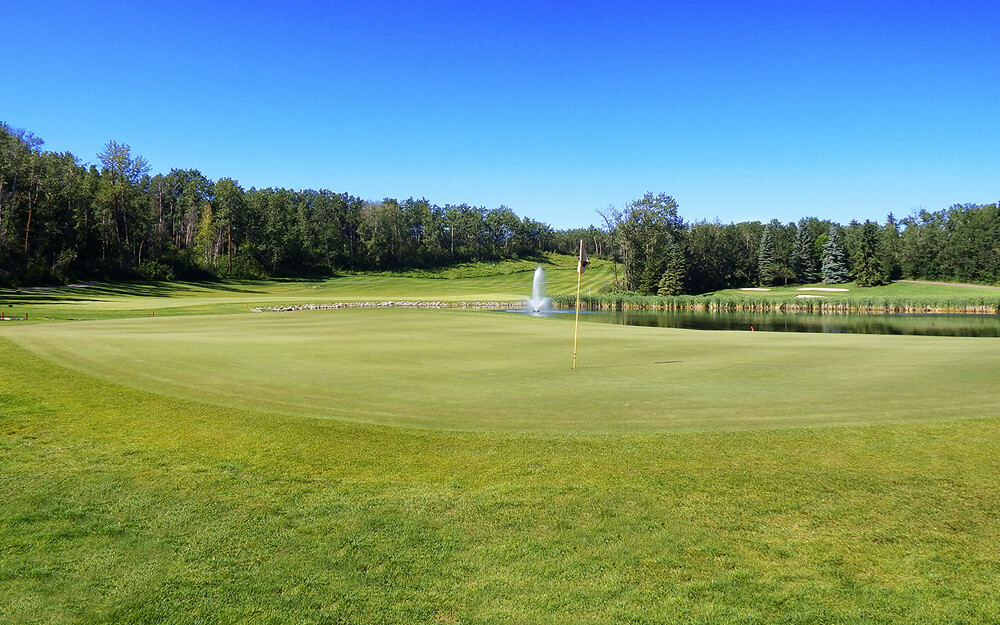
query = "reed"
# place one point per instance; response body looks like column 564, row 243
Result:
column 856, row 303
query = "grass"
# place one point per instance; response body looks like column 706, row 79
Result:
column 548, row 260
column 226, row 297
column 903, row 290
column 495, row 371
column 125, row 498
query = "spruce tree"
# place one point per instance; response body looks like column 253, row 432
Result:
column 869, row 269
column 834, row 263
column 765, row 259
column 802, row 258
column 672, row 280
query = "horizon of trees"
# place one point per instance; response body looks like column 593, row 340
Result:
column 62, row 220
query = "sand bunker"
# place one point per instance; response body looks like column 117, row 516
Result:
column 810, row 296
column 820, row 288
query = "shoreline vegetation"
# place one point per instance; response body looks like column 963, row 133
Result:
column 785, row 304
column 612, row 302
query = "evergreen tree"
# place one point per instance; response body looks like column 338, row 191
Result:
column 672, row 279
column 803, row 264
column 834, row 263
column 765, row 259
column 869, row 269
column 891, row 245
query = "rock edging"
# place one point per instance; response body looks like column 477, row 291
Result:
column 390, row 304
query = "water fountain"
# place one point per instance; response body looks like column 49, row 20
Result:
column 538, row 303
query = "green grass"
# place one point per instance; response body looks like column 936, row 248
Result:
column 184, row 298
column 894, row 289
column 496, row 371
column 311, row 467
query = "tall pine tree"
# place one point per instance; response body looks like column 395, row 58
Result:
column 834, row 262
column 803, row 264
column 869, row 270
column 675, row 268
column 765, row 259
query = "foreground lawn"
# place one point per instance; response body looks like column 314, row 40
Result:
column 118, row 505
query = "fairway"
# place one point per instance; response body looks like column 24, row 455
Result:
column 476, row 370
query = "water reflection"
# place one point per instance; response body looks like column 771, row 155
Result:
column 919, row 324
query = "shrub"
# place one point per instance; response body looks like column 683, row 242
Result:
column 155, row 271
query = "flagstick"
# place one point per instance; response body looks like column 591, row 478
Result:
column 576, row 325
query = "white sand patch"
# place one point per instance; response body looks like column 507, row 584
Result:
column 820, row 288
column 753, row 288
column 810, row 296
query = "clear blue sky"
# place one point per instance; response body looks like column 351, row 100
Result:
column 740, row 110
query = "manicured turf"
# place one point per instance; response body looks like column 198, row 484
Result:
column 175, row 471
column 903, row 290
column 495, row 371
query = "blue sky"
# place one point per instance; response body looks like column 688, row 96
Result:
column 740, row 110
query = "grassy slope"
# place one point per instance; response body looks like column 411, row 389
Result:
column 902, row 290
column 180, row 298
column 120, row 505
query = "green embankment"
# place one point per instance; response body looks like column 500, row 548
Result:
column 476, row 283
column 173, row 470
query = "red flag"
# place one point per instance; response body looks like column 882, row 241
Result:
column 584, row 261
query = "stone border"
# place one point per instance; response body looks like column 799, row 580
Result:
column 392, row 304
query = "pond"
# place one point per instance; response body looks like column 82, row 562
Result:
column 853, row 323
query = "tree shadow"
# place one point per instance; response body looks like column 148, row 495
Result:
column 93, row 291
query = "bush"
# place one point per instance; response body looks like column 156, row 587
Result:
column 245, row 267
column 155, row 271
column 62, row 268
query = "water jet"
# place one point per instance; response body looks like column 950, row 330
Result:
column 538, row 303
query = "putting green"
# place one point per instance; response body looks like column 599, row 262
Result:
column 493, row 371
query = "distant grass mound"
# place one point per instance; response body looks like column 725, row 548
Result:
column 480, row 282
column 547, row 260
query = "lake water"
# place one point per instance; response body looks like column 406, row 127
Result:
column 920, row 324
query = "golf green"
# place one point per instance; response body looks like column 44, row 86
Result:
column 476, row 370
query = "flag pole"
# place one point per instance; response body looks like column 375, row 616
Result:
column 576, row 326
column 580, row 268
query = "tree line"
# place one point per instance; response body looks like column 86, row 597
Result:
column 661, row 254
column 62, row 220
